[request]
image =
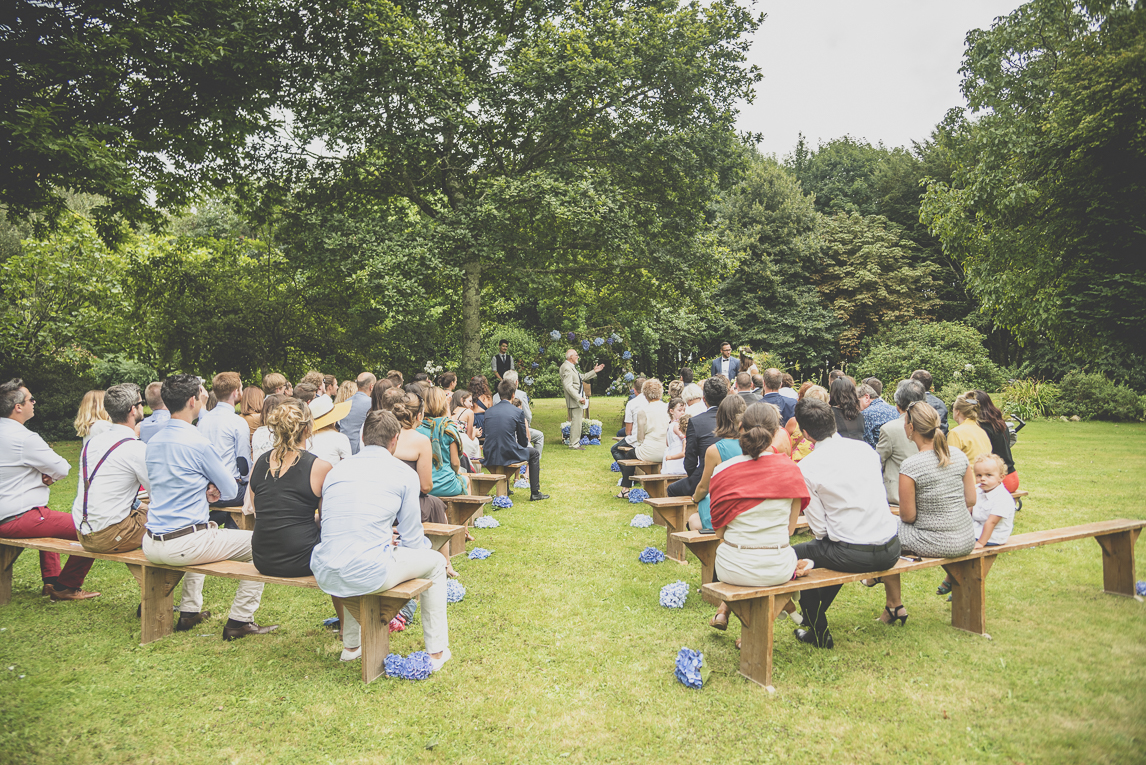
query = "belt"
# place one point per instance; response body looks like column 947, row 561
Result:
column 11, row 518
column 178, row 532
column 868, row 548
column 756, row 547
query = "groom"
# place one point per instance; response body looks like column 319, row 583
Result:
column 571, row 383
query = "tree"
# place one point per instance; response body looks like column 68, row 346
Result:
column 540, row 143
column 1046, row 209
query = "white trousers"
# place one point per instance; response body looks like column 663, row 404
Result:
column 405, row 564
column 207, row 546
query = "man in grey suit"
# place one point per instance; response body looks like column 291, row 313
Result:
column 894, row 446
column 572, row 383
column 351, row 425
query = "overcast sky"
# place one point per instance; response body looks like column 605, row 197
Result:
column 881, row 70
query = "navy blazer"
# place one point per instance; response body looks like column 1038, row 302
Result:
column 701, row 435
column 506, row 436
column 733, row 367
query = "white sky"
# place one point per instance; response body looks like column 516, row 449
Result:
column 880, row 70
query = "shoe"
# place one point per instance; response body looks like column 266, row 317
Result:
column 350, row 654
column 538, row 497
column 719, row 621
column 577, row 448
column 47, row 590
column 807, row 636
column 250, row 628
column 623, row 494
column 891, row 615
column 871, row 582
column 67, row 593
column 436, row 664
column 188, row 620
column 945, row 588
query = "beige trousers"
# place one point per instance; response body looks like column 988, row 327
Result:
column 406, row 564
column 575, row 425
column 207, row 546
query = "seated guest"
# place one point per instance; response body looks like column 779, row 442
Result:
column 362, row 500
column 396, row 379
column 159, row 416
column 251, row 407
column 991, row 421
column 462, row 413
column 693, row 396
column 652, row 431
column 263, row 440
column 834, row 375
column 876, row 411
column 847, row 513
column 305, row 392
column 482, row 398
column 758, row 383
column 445, row 445
column 936, row 490
column 330, row 386
column 701, row 435
column 28, row 466
column 351, row 425
column 802, row 447
column 274, row 383
column 924, row 378
column 725, row 446
column 894, row 446
column 327, row 443
column 773, row 381
column 230, row 435
column 347, row 390
column 787, row 391
column 507, row 439
column 993, row 516
column 92, row 419
column 756, row 501
column 315, row 378
column 286, row 488
column 846, row 405
column 378, row 395
column 183, row 465
column 448, row 381
column 108, row 517
column 536, row 437
column 674, row 389
column 673, row 463
column 415, row 451
column 967, row 436
column 746, row 362
column 744, row 389
column 623, row 449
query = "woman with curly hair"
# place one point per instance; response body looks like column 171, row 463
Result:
column 846, row 404
column 483, row 398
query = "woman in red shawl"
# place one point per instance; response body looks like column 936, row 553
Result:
column 756, row 499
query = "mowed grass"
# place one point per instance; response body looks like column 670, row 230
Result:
column 563, row 654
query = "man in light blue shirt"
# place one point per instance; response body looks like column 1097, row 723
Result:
column 186, row 472
column 229, row 434
column 363, row 498
column 159, row 416
column 360, row 405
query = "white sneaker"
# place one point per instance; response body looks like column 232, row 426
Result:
column 350, row 654
column 436, row 664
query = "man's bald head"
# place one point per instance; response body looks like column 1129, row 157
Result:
column 366, row 382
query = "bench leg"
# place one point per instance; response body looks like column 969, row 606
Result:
column 705, row 552
column 155, row 603
column 758, row 619
column 373, row 613
column 674, row 518
column 458, row 515
column 8, row 556
column 1118, row 562
column 656, row 489
column 969, row 595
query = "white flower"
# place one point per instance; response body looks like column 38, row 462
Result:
column 968, row 367
column 957, row 375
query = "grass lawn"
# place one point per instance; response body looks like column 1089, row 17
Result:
column 563, row 654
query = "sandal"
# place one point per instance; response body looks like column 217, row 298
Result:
column 899, row 613
column 944, row 588
column 871, row 582
column 624, row 494
column 719, row 621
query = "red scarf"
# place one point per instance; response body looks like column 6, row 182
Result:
column 741, row 487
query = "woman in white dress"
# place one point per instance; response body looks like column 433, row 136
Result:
column 674, row 447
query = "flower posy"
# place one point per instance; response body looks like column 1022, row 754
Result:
column 637, row 496
column 572, row 336
column 1140, row 588
column 641, row 521
column 455, row 591
column 598, row 341
column 688, row 664
column 673, row 595
column 615, row 468
column 594, row 430
column 486, row 522
column 594, row 442
column 555, row 335
column 479, row 553
column 651, row 555
column 584, row 345
column 521, row 483
column 418, row 666
column 627, row 355
column 502, row 502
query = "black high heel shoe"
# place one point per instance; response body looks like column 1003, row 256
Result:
column 899, row 613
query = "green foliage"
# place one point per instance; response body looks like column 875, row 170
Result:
column 58, row 383
column 1093, row 397
column 952, row 352
column 1029, row 398
column 117, row 368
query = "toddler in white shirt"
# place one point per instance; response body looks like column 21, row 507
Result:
column 994, row 513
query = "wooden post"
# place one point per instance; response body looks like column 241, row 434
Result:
column 705, row 551
column 969, row 595
column 1118, row 562
column 757, row 617
column 373, row 614
column 155, row 603
column 8, row 556
column 674, row 518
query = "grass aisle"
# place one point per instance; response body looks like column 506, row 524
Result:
column 563, row 654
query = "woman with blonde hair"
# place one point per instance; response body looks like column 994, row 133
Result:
column 446, row 443
column 968, row 436
column 251, row 406
column 263, row 439
column 346, row 391
column 92, row 419
column 802, row 447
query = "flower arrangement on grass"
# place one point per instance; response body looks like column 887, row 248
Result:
column 501, row 502
column 674, row 595
column 615, row 468
column 479, row 553
column 641, row 521
column 455, row 592
column 521, row 483
column 688, row 664
column 637, row 496
column 416, row 666
column 651, row 555
column 486, row 522
column 590, row 429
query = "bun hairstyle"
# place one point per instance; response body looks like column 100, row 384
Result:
column 406, row 409
column 967, row 405
column 728, row 417
column 759, row 424
column 925, row 420
column 390, row 396
column 290, row 422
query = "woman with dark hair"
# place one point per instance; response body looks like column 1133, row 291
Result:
column 991, row 421
column 846, row 404
column 483, row 399
column 378, row 395
column 727, row 446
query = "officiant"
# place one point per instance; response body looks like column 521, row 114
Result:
column 572, row 382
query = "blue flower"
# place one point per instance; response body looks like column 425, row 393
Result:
column 521, row 483
column 584, row 345
column 628, row 376
column 608, row 393
column 541, row 349
column 523, row 469
column 479, row 553
column 627, row 355
column 584, row 440
column 610, row 340
column 598, row 341
column 486, row 522
column 555, row 335
column 688, row 664
column 594, row 442
column 418, row 666
column 331, row 622
column 674, row 595
column 534, row 365
column 637, row 496
column 641, row 521
column 455, row 592
column 572, row 336
column 651, row 555
column 565, row 430
column 528, row 380
column 1140, row 588
column 502, row 502
column 595, row 431
column 615, row 467
column 394, row 665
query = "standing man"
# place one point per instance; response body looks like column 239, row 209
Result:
column 229, row 434
column 184, row 469
column 351, row 425
column 501, row 362
column 28, row 466
column 725, row 364
column 572, row 382
column 159, row 414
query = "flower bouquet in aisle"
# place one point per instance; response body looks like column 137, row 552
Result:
column 590, row 432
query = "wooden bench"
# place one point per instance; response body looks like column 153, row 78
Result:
column 656, row 484
column 487, row 483
column 157, row 585
column 674, row 511
column 459, row 511
column 758, row 607
column 703, row 546
column 1018, row 497
column 642, row 467
column 509, row 471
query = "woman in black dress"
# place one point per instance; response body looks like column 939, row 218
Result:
column 991, row 421
column 846, row 405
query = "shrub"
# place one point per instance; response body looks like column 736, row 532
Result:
column 116, row 369
column 1093, row 397
column 58, row 384
column 1030, row 398
column 951, row 351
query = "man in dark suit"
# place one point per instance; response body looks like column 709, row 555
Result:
column 724, row 364
column 507, row 438
column 701, row 435
column 744, row 389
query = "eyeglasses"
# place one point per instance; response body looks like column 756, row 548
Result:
column 137, row 403
column 31, row 400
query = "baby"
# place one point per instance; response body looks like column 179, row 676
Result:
column 994, row 513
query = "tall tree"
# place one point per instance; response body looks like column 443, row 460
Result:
column 540, row 142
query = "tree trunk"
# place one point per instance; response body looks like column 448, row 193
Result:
column 471, row 320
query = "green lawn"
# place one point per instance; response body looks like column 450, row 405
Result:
column 563, row 654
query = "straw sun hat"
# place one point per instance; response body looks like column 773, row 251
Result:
column 326, row 412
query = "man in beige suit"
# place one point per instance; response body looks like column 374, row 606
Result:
column 571, row 383
column 894, row 446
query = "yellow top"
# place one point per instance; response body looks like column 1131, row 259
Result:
column 970, row 439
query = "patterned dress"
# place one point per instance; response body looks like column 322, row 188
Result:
column 943, row 526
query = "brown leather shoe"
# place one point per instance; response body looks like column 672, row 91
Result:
column 47, row 590
column 250, row 628
column 187, row 621
column 66, row 593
